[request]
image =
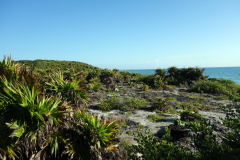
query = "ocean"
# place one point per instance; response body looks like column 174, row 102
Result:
column 231, row 73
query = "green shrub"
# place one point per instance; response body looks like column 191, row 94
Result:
column 140, row 126
column 171, row 99
column 98, row 135
column 133, row 85
column 145, row 87
column 191, row 105
column 94, row 86
column 189, row 115
column 220, row 86
column 178, row 122
column 153, row 148
column 105, row 74
column 127, row 113
column 171, row 111
column 125, row 147
column 185, row 75
column 110, row 103
column 161, row 105
column 221, row 98
column 205, row 142
column 235, row 98
column 146, row 79
column 156, row 118
column 125, row 104
column 159, row 82
column 160, row 72
column 198, row 98
column 133, row 103
column 93, row 76
column 129, row 132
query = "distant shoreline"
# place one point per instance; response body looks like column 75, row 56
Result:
column 179, row 68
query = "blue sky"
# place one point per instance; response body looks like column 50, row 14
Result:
column 126, row 34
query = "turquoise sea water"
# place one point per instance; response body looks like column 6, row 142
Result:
column 231, row 73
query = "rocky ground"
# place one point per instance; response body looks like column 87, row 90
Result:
column 137, row 119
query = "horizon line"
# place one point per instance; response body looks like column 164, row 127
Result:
column 183, row 67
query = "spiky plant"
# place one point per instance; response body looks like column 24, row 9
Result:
column 87, row 128
column 68, row 90
column 25, row 114
column 13, row 71
column 159, row 82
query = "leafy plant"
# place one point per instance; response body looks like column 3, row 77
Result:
column 156, row 118
column 205, row 142
column 94, row 86
column 70, row 90
column 129, row 132
column 190, row 115
column 133, row 103
column 159, row 82
column 160, row 72
column 110, row 103
column 97, row 134
column 127, row 113
column 140, row 126
column 170, row 110
column 152, row 148
column 25, row 114
column 133, row 85
column 145, row 87
column 178, row 122
column 220, row 86
column 125, row 104
column 160, row 104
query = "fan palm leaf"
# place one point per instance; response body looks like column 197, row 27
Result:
column 100, row 134
column 24, row 112
column 69, row 89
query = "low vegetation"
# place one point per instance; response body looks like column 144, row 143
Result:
column 43, row 114
column 156, row 118
column 218, row 86
column 205, row 142
column 124, row 104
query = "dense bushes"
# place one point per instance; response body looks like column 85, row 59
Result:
column 173, row 76
column 152, row 148
column 178, row 76
column 52, row 65
column 221, row 86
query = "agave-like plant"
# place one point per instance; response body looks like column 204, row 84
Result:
column 25, row 114
column 89, row 129
column 159, row 82
column 70, row 90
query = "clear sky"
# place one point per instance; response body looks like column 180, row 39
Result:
column 123, row 34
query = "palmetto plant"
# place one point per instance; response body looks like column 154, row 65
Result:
column 25, row 113
column 69, row 90
column 159, row 81
column 17, row 72
column 102, row 132
column 87, row 128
